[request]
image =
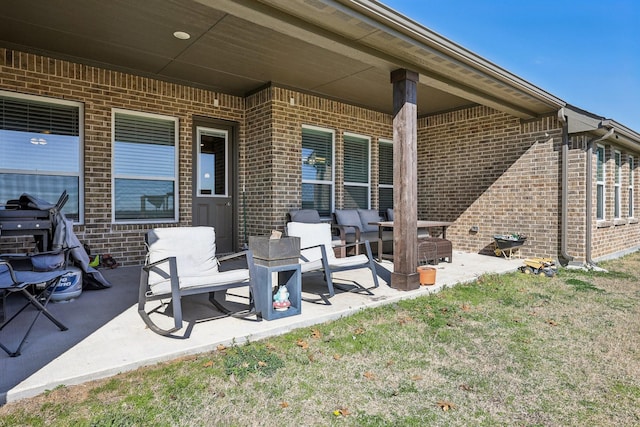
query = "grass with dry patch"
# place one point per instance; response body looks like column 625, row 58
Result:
column 505, row 350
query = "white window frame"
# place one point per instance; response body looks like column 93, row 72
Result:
column 80, row 173
column 617, row 182
column 601, row 184
column 332, row 182
column 630, row 200
column 367, row 184
column 382, row 141
column 115, row 176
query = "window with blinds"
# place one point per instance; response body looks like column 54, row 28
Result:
column 317, row 170
column 600, row 175
column 631, row 184
column 144, row 167
column 617, row 181
column 385, row 176
column 41, row 150
column 357, row 169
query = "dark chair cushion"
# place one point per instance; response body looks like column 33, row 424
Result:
column 348, row 217
column 389, row 214
column 48, row 261
column 367, row 216
column 308, row 216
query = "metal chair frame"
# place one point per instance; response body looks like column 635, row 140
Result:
column 20, row 282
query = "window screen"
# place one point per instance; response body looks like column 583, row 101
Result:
column 385, row 176
column 356, row 172
column 40, row 150
column 600, row 183
column 317, row 170
column 144, row 164
column 616, row 184
column 631, row 185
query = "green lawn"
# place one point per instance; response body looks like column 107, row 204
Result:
column 511, row 350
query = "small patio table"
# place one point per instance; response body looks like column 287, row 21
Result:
column 270, row 276
column 421, row 224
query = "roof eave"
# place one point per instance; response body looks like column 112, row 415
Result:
column 420, row 34
column 581, row 121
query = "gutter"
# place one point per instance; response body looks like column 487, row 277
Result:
column 564, row 209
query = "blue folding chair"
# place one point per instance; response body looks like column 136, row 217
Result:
column 13, row 281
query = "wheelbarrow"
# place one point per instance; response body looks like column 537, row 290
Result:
column 508, row 245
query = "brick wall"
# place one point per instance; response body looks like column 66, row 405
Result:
column 286, row 152
column 482, row 168
column 259, row 179
column 614, row 235
column 101, row 90
column 476, row 166
column 577, row 194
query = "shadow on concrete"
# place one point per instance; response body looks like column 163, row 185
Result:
column 83, row 316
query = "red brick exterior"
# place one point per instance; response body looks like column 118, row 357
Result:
column 476, row 166
column 482, row 168
column 612, row 236
column 101, row 90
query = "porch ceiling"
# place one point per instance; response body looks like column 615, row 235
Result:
column 342, row 49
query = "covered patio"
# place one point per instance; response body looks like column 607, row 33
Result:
column 347, row 69
column 264, row 73
column 106, row 336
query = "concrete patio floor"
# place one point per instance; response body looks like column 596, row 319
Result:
column 106, row 336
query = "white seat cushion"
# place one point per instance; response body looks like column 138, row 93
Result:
column 319, row 234
column 305, row 267
column 193, row 282
column 349, row 261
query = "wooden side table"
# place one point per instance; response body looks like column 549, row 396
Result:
column 268, row 280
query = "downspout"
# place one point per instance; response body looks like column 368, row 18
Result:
column 565, row 188
column 589, row 207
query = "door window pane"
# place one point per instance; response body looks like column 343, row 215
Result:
column 212, row 163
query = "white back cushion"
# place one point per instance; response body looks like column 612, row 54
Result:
column 193, row 247
column 312, row 235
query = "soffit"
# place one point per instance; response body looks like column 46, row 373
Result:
column 337, row 50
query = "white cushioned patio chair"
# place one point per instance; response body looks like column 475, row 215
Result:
column 312, row 216
column 182, row 261
column 317, row 254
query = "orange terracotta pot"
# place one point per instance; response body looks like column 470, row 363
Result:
column 427, row 275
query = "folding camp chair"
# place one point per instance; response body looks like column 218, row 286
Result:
column 42, row 283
